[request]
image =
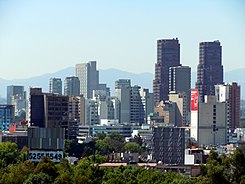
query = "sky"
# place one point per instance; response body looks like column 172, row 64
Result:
column 44, row 36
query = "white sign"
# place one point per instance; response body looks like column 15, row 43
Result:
column 36, row 155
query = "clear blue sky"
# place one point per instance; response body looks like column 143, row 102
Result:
column 41, row 36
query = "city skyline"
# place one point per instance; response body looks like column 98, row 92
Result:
column 49, row 36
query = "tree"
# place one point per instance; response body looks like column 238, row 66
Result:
column 101, row 135
column 116, row 136
column 18, row 173
column 48, row 167
column 40, row 178
column 9, row 154
column 103, row 147
column 132, row 147
column 137, row 139
column 238, row 162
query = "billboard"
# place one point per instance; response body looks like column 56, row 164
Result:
column 194, row 100
column 36, row 155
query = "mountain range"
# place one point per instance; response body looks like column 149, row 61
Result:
column 109, row 76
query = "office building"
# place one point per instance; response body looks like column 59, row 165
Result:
column 16, row 96
column 168, row 55
column 137, row 112
column 181, row 111
column 147, row 100
column 165, row 113
column 6, row 117
column 89, row 78
column 72, row 86
column 14, row 91
column 55, row 86
column 230, row 94
column 180, row 81
column 168, row 145
column 210, row 68
column 212, row 122
column 47, row 109
column 123, row 93
column 135, row 102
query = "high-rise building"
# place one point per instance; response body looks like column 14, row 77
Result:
column 210, row 68
column 72, row 86
column 147, row 101
column 13, row 91
column 6, row 117
column 135, row 102
column 55, row 86
column 136, row 106
column 168, row 55
column 211, row 122
column 180, row 81
column 165, row 113
column 181, row 110
column 89, row 78
column 123, row 93
column 230, row 94
column 47, row 109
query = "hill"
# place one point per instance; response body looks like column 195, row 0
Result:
column 109, row 76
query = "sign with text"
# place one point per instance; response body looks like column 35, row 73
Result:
column 194, row 100
column 36, row 155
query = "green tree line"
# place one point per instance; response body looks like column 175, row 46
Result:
column 15, row 168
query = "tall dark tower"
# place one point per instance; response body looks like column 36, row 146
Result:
column 210, row 68
column 168, row 55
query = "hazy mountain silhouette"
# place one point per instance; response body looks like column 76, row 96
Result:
column 109, row 76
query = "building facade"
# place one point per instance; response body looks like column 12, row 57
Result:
column 55, row 86
column 212, row 122
column 210, row 68
column 181, row 111
column 168, row 145
column 14, row 90
column 230, row 94
column 72, row 86
column 168, row 55
column 180, row 81
column 89, row 78
column 6, row 117
column 123, row 93
column 147, row 101
column 47, row 109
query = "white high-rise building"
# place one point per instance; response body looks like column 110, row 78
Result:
column 230, row 95
column 211, row 122
column 89, row 78
column 147, row 99
column 123, row 93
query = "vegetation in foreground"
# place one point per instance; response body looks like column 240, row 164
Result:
column 14, row 168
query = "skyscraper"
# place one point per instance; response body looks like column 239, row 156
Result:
column 168, row 55
column 48, row 110
column 13, row 91
column 180, row 82
column 123, row 93
column 55, row 86
column 72, row 86
column 230, row 94
column 89, row 78
column 210, row 68
column 6, row 116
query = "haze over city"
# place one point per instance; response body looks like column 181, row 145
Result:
column 40, row 37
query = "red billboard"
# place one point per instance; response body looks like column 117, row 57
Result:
column 194, row 100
